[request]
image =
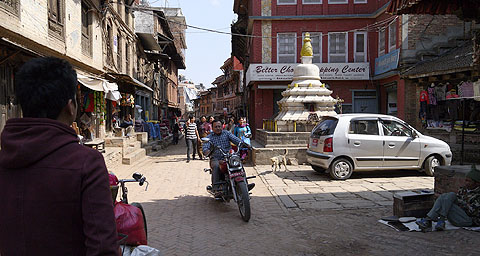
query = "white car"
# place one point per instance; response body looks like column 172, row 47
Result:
column 353, row 142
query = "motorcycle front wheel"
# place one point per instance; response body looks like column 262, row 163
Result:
column 243, row 200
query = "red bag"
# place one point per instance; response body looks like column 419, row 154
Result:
column 129, row 220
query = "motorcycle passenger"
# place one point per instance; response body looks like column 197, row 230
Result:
column 222, row 139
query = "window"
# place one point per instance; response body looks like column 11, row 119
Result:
column 316, row 45
column 337, row 47
column 110, row 47
column 338, row 1
column 127, row 58
column 119, row 52
column 55, row 18
column 394, row 128
column 11, row 5
column 325, row 127
column 86, row 30
column 360, row 1
column 127, row 16
column 312, row 1
column 280, row 2
column 367, row 127
column 119, row 8
column 381, row 42
column 392, row 36
column 286, row 48
column 360, row 47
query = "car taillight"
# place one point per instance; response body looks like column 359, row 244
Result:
column 328, row 145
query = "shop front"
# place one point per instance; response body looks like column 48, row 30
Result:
column 348, row 81
column 12, row 57
column 447, row 100
column 98, row 106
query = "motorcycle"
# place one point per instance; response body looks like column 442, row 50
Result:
column 234, row 183
column 130, row 218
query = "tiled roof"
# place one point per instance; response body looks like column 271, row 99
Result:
column 460, row 58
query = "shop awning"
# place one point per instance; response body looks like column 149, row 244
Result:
column 91, row 83
column 100, row 85
column 130, row 80
column 149, row 42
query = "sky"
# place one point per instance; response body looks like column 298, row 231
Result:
column 206, row 51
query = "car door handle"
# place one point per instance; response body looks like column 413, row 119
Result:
column 391, row 144
column 356, row 143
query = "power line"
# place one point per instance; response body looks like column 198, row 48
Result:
column 374, row 27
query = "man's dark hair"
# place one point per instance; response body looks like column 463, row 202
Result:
column 190, row 117
column 44, row 85
column 216, row 120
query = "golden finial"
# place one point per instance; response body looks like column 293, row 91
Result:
column 310, row 85
column 296, row 85
column 307, row 49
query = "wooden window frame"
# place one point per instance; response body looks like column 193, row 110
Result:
column 56, row 21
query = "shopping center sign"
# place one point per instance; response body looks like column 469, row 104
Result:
column 328, row 71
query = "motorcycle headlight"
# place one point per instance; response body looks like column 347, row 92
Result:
column 235, row 161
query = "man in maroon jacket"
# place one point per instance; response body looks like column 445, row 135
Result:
column 54, row 192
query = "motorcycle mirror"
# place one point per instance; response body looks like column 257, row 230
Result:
column 206, row 139
column 248, row 135
column 137, row 176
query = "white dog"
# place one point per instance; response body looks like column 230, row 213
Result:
column 277, row 161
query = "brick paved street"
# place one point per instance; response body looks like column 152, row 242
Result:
column 299, row 212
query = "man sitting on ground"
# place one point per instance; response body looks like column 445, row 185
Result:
column 461, row 209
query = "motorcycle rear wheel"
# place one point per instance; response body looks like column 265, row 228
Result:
column 243, row 200
column 139, row 206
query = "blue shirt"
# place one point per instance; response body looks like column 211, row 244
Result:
column 223, row 141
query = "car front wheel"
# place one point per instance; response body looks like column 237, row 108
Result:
column 341, row 169
column 430, row 164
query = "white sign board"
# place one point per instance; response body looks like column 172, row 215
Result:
column 328, row 71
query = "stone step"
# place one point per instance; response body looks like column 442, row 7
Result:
column 134, row 156
column 112, row 156
column 261, row 156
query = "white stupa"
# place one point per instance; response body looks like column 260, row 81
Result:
column 306, row 98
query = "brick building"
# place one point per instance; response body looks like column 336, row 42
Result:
column 360, row 49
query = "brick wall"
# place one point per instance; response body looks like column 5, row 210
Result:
column 425, row 26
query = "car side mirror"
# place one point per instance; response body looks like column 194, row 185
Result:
column 414, row 134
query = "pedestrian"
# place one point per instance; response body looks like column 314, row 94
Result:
column 54, row 192
column 191, row 137
column 206, row 126
column 461, row 209
column 231, row 125
column 241, row 130
column 175, row 130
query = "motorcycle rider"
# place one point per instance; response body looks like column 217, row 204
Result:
column 222, row 139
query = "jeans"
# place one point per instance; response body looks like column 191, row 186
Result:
column 445, row 206
column 215, row 165
column 191, row 144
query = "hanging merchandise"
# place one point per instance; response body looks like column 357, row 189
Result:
column 440, row 91
column 424, row 96
column 476, row 90
column 89, row 102
column 432, row 99
column 465, row 89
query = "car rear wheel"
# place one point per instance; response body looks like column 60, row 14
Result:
column 430, row 164
column 341, row 169
column 318, row 169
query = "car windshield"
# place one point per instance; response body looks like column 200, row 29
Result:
column 325, row 127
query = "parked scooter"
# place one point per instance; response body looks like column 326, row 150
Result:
column 233, row 183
